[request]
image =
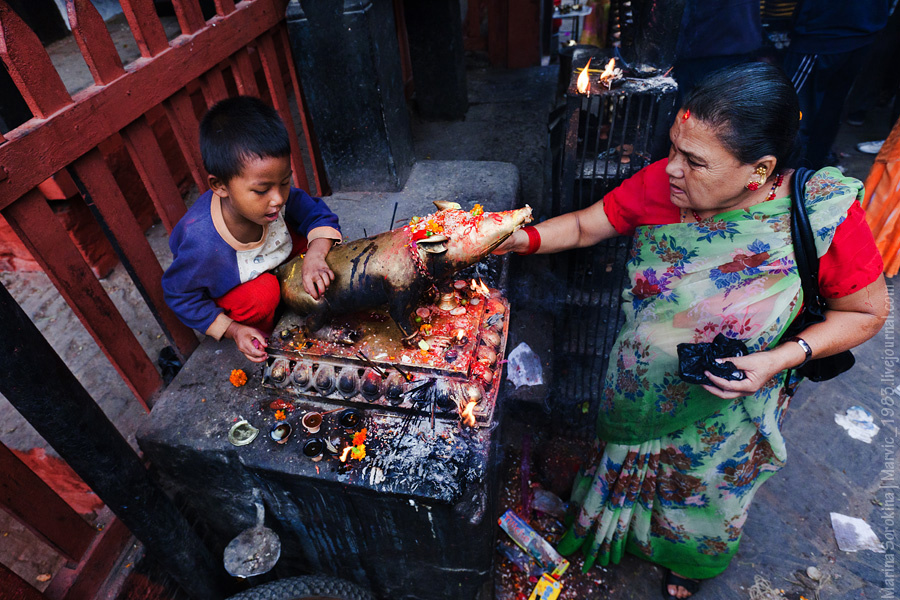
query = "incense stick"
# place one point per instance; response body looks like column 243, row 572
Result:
column 393, row 216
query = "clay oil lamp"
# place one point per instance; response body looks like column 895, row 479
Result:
column 281, row 432
column 490, row 338
column 312, row 421
column 448, row 302
column 313, row 449
column 349, row 418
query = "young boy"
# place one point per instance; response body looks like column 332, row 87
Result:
column 235, row 233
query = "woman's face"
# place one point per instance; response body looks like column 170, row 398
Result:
column 704, row 175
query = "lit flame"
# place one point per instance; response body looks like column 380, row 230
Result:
column 584, row 80
column 610, row 73
column 346, row 453
column 480, row 288
column 468, row 414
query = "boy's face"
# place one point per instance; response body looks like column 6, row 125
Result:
column 258, row 193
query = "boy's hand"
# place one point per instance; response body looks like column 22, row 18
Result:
column 250, row 341
column 317, row 276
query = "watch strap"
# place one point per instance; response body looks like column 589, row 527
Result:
column 805, row 347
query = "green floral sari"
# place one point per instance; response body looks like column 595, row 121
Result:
column 676, row 467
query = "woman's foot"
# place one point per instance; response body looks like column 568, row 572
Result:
column 676, row 586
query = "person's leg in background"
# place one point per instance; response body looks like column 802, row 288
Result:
column 800, row 68
column 822, row 82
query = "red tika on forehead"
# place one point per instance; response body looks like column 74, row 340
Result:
column 686, row 116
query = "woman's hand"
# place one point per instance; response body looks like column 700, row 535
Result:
column 317, row 276
column 249, row 340
column 849, row 321
column 517, row 242
column 759, row 368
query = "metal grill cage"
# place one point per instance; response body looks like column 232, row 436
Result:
column 610, row 135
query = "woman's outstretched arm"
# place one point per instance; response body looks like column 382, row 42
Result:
column 577, row 229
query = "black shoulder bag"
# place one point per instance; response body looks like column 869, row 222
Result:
column 813, row 310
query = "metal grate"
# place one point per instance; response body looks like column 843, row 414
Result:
column 610, row 135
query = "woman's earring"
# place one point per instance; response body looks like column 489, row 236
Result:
column 762, row 172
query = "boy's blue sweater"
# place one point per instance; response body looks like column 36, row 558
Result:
column 204, row 266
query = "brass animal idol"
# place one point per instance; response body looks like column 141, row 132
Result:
column 399, row 266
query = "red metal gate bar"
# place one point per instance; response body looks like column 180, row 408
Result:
column 30, row 68
column 224, row 7
column 94, row 40
column 150, row 163
column 102, row 111
column 244, row 75
column 269, row 58
column 43, row 236
column 87, row 577
column 33, row 503
column 148, row 32
column 190, row 18
column 180, row 111
column 102, row 191
column 213, row 86
column 314, row 156
column 103, row 60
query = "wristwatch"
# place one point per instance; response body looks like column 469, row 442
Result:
column 805, row 347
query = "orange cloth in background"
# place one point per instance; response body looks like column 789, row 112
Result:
column 882, row 201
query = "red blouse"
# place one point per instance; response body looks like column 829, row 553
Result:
column 851, row 263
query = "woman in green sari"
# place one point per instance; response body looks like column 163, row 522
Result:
column 678, row 464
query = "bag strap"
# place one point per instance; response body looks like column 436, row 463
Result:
column 804, row 244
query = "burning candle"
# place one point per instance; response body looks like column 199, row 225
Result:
column 468, row 414
column 346, row 453
column 583, row 84
column 480, row 288
column 610, row 73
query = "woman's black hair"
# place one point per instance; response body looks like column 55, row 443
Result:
column 755, row 111
column 238, row 129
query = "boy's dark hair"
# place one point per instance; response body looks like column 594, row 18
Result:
column 755, row 108
column 238, row 129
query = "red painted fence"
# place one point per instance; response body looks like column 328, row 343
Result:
column 242, row 50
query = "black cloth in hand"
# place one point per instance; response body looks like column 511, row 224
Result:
column 694, row 359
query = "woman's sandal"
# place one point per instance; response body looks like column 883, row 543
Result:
column 691, row 585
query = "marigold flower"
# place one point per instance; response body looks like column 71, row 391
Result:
column 360, row 437
column 477, row 210
column 238, row 377
column 279, row 415
column 358, row 452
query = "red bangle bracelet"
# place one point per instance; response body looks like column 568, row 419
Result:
column 534, row 240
